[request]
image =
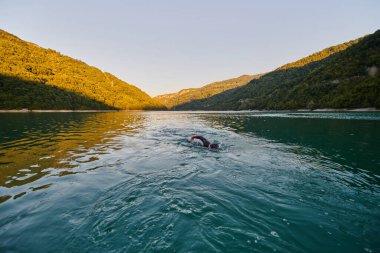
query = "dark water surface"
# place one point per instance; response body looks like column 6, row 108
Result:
column 131, row 182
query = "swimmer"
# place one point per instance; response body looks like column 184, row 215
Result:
column 202, row 140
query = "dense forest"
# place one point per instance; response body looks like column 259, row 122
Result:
column 187, row 95
column 36, row 78
column 342, row 76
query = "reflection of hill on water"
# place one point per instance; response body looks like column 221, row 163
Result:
column 37, row 144
column 346, row 142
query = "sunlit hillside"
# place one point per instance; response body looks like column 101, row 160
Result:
column 37, row 78
column 188, row 95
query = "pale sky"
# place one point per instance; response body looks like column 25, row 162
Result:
column 163, row 46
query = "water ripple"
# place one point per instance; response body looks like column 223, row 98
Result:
column 131, row 182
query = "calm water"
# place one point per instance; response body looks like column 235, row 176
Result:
column 131, row 182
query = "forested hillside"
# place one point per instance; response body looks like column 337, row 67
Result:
column 36, row 78
column 342, row 76
column 187, row 95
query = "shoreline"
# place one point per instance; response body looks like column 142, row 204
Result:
column 27, row 111
column 370, row 109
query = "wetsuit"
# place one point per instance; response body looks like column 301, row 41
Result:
column 205, row 142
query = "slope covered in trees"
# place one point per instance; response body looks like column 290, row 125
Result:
column 37, row 78
column 188, row 95
column 342, row 76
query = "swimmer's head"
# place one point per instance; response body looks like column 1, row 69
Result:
column 213, row 146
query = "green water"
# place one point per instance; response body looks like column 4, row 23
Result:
column 131, row 182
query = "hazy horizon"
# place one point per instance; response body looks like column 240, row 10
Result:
column 165, row 47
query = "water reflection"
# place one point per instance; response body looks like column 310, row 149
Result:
column 351, row 144
column 35, row 145
column 152, row 190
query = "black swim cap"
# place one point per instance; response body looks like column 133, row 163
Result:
column 214, row 146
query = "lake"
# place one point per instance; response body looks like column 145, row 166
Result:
column 132, row 182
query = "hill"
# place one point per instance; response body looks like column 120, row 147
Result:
column 37, row 78
column 342, row 76
column 187, row 95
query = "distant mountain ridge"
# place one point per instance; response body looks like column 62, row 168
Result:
column 342, row 76
column 187, row 95
column 36, row 78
